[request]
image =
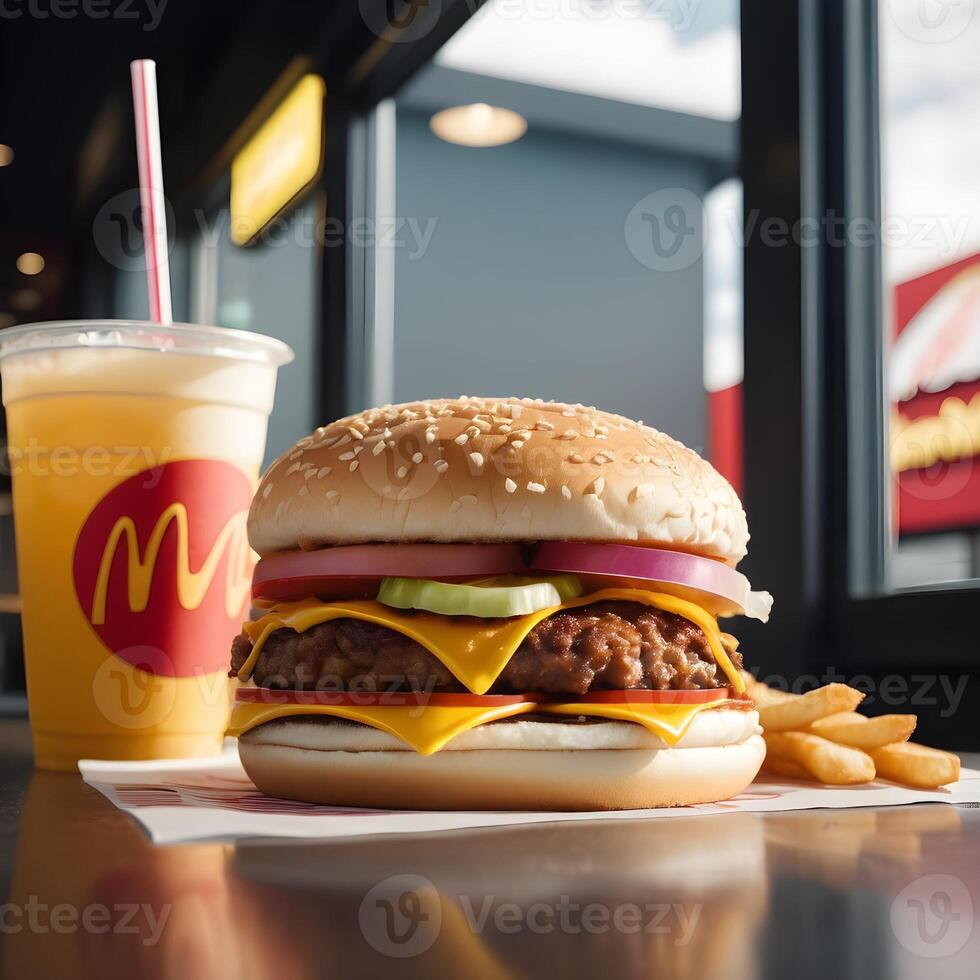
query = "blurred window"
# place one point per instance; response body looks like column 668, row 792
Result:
column 929, row 108
column 569, row 227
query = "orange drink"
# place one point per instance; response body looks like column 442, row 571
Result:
column 134, row 452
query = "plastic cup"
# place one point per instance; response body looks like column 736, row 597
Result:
column 134, row 450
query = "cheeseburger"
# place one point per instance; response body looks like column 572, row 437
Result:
column 495, row 603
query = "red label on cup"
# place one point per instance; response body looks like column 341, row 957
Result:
column 162, row 566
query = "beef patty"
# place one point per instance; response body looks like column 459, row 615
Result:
column 610, row 645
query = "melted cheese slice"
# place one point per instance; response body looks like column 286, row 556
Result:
column 474, row 652
column 427, row 728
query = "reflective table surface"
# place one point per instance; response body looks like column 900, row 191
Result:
column 892, row 892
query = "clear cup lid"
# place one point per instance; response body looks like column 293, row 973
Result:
column 176, row 338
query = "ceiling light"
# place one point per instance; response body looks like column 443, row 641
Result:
column 30, row 263
column 6, row 155
column 478, row 124
column 25, row 300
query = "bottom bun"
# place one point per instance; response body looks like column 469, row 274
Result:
column 496, row 779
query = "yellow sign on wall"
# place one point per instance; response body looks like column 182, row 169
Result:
column 279, row 162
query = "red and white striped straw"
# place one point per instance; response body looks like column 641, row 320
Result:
column 152, row 200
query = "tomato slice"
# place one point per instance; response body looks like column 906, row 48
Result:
column 712, row 584
column 655, row 697
column 352, row 571
column 366, row 699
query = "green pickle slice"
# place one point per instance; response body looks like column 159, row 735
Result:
column 488, row 598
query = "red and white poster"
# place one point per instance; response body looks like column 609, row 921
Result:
column 934, row 383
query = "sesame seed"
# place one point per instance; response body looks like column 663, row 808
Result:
column 293, row 469
column 441, row 466
column 543, row 425
column 642, row 490
column 387, row 433
column 266, row 490
column 462, row 439
column 417, row 457
column 353, row 466
column 346, row 456
column 568, row 413
column 467, row 498
column 303, row 491
column 296, row 455
column 342, row 441
column 536, row 487
column 454, row 506
column 332, row 494
column 309, row 473
column 566, row 493
column 322, row 472
column 518, row 443
column 601, row 458
column 568, row 434
column 379, row 448
column 387, row 490
column 356, row 433
column 402, row 471
column 575, row 458
column 515, row 411
column 404, row 492
column 477, row 459
column 430, row 436
column 597, row 486
column 509, row 485
column 504, row 427
column 358, row 449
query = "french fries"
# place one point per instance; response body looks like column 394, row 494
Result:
column 801, row 711
column 861, row 732
column 784, row 768
column 819, row 736
column 825, row 761
column 916, row 765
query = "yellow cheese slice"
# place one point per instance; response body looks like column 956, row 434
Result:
column 474, row 652
column 427, row 728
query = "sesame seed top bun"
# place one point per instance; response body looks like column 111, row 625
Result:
column 494, row 469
